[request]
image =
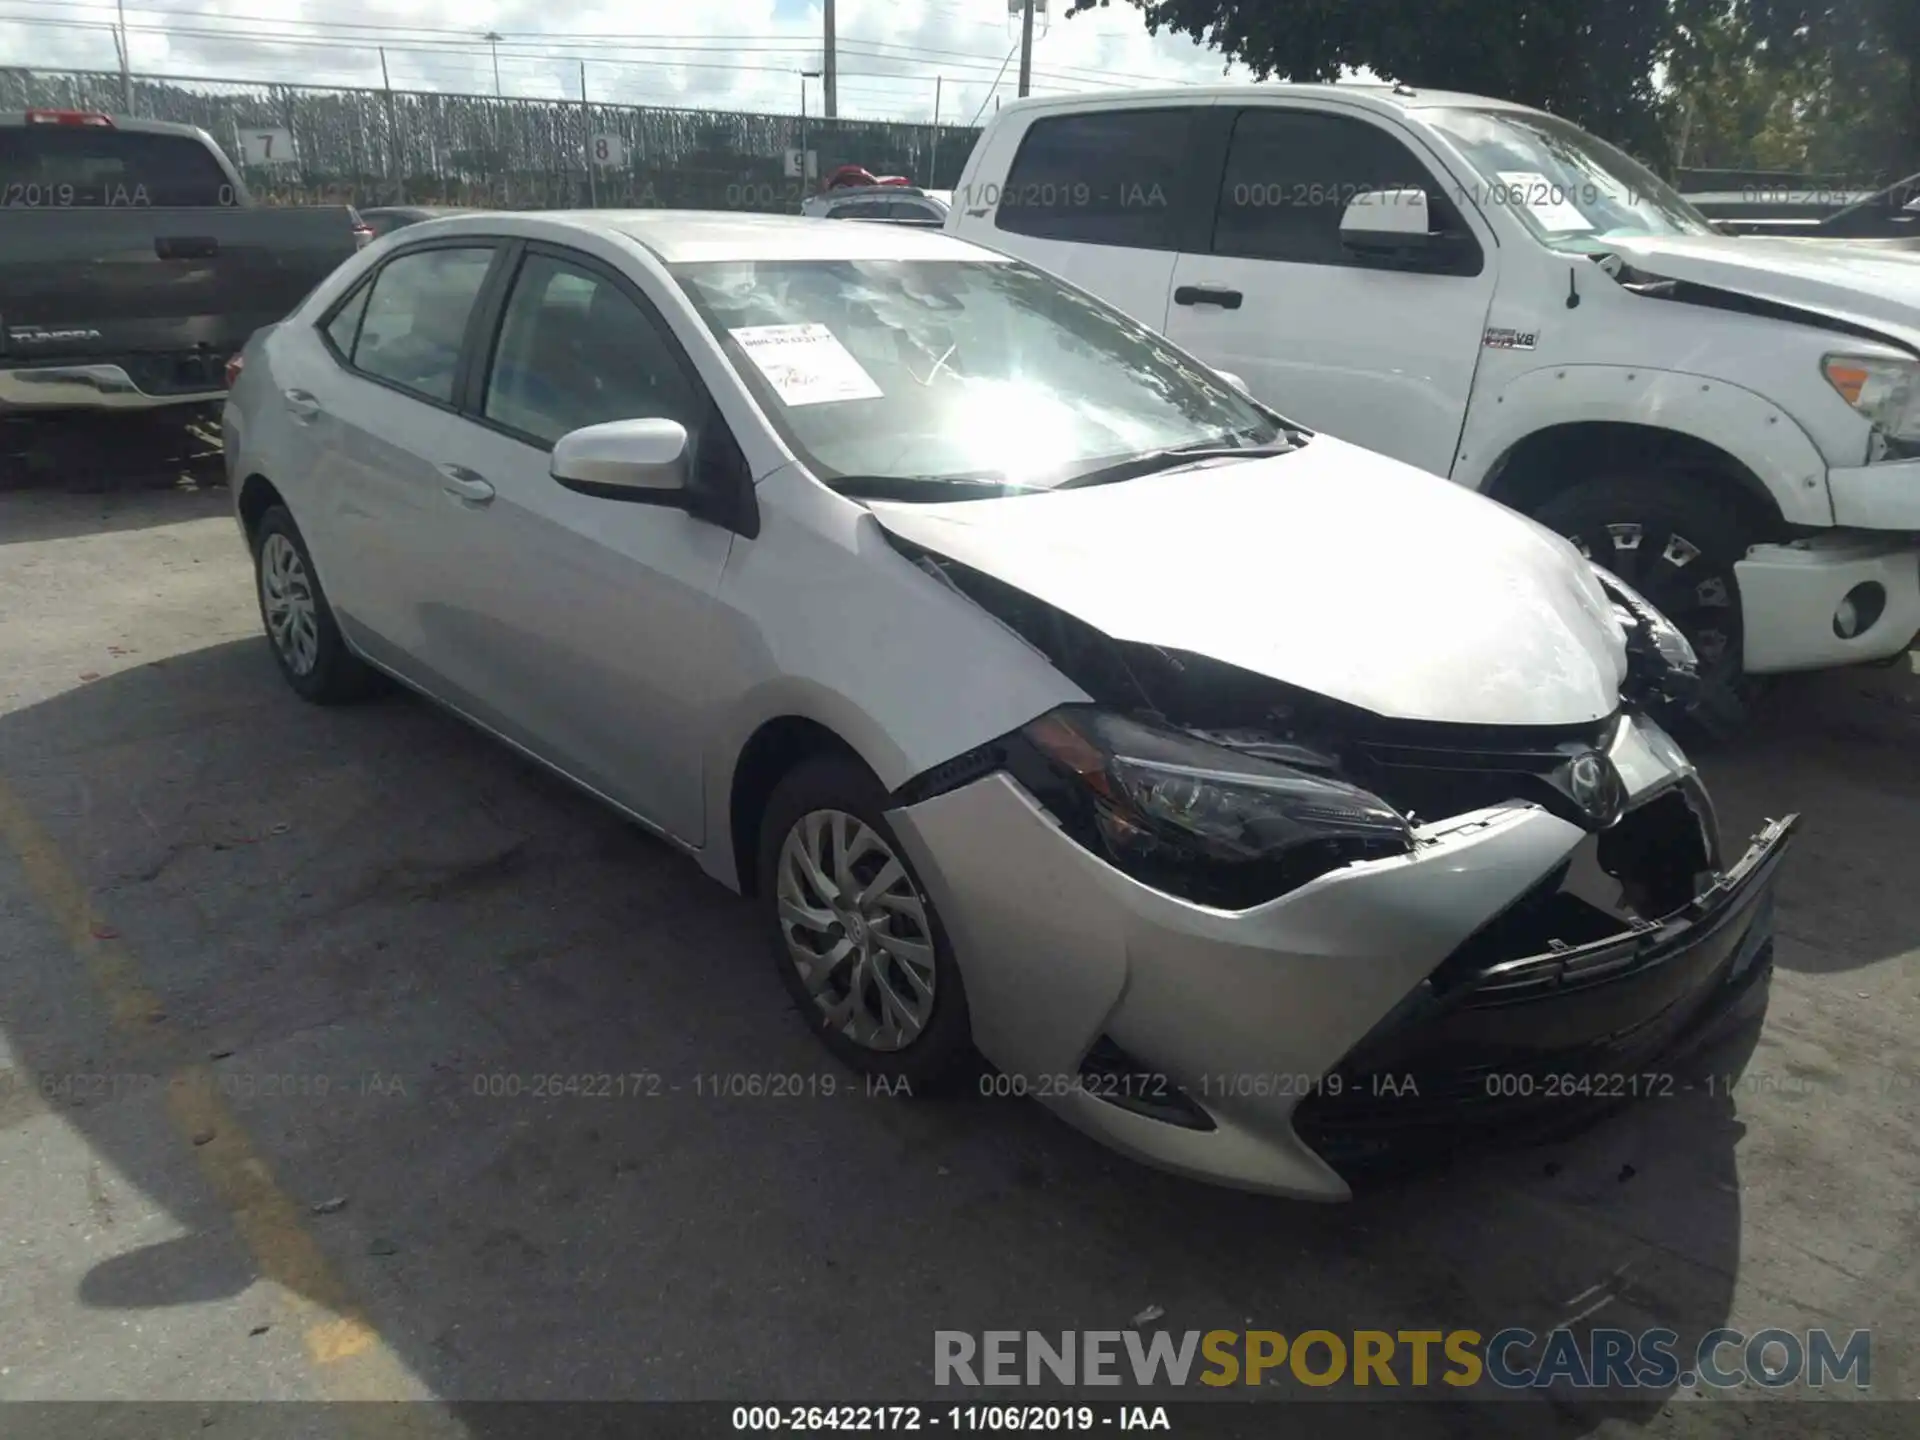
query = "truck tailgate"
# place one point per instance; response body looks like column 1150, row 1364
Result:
column 169, row 284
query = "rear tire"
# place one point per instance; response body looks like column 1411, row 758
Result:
column 855, row 937
column 1677, row 546
column 301, row 631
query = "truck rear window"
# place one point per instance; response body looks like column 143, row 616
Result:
column 60, row 167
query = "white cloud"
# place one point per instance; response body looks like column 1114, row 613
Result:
column 717, row 54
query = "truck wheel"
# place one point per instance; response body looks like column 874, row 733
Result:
column 301, row 631
column 1676, row 546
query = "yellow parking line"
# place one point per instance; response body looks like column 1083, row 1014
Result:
column 351, row 1360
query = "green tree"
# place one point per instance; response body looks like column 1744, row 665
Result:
column 1731, row 102
column 1869, row 51
column 1592, row 61
column 1835, row 86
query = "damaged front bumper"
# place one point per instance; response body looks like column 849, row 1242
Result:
column 1250, row 1047
column 1532, row 1046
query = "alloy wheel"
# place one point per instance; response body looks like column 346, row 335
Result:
column 287, row 600
column 857, row 930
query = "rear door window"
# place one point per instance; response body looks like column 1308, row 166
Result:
column 415, row 319
column 1110, row 177
column 59, row 167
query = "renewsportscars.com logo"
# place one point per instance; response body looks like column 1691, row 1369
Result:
column 1511, row 1359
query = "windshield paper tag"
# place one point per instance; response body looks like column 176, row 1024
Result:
column 1547, row 201
column 805, row 364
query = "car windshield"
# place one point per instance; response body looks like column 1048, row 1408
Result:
column 958, row 371
column 1570, row 188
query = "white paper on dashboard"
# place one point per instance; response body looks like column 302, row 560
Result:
column 1547, row 201
column 805, row 364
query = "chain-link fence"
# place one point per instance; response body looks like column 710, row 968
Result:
column 388, row 147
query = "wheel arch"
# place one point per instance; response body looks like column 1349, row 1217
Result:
column 1552, row 460
column 1557, row 425
column 257, row 495
column 775, row 748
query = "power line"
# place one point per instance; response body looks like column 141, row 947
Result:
column 971, row 124
column 439, row 37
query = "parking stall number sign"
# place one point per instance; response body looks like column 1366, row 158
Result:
column 268, row 146
column 608, row 151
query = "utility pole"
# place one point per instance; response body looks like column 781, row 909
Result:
column 126, row 64
column 830, row 68
column 805, row 75
column 1026, row 47
column 393, row 130
column 586, row 141
column 933, row 165
column 493, row 38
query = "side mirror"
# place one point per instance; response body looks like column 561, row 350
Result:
column 642, row 461
column 1387, row 222
column 1234, row 380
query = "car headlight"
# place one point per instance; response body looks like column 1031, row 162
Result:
column 1887, row 393
column 1194, row 819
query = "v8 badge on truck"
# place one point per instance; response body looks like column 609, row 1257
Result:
column 1502, row 339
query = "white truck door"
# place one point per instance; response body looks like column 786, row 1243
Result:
column 1098, row 197
column 1379, row 353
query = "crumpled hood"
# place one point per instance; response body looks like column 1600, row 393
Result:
column 1332, row 569
column 1865, row 285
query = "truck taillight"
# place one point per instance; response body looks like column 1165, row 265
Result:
column 234, row 366
column 69, row 117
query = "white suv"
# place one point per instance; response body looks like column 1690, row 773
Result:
column 1494, row 295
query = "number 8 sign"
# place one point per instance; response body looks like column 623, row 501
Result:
column 608, row 151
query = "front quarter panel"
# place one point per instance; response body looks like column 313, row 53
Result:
column 827, row 622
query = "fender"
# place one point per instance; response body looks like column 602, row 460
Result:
column 922, row 701
column 1746, row 425
column 777, row 698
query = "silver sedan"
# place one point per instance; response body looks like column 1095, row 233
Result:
column 1263, row 806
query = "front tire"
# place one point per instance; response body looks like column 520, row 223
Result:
column 301, row 631
column 857, row 941
column 1677, row 546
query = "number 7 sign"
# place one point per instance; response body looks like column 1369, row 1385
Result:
column 267, row 146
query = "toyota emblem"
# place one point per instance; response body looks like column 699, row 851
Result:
column 1595, row 787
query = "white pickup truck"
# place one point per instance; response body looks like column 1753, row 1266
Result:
column 1494, row 295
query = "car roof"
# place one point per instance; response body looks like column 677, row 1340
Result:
column 681, row 236
column 125, row 124
column 884, row 192
column 1370, row 96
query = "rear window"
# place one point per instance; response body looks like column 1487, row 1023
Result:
column 60, row 167
column 1108, row 177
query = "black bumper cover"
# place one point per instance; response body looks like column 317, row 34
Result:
column 1529, row 1048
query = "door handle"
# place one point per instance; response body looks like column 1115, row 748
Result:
column 464, row 484
column 1207, row 295
column 301, row 404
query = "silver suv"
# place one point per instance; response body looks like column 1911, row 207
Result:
column 900, row 203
